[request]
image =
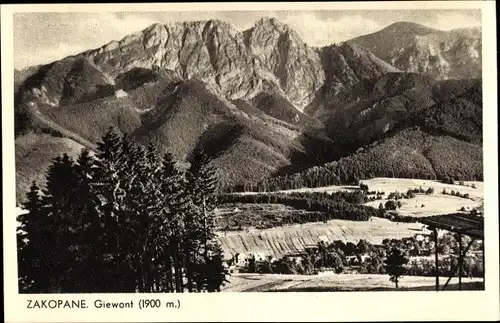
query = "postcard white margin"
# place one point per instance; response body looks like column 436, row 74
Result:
column 335, row 306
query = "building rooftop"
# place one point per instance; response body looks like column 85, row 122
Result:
column 471, row 225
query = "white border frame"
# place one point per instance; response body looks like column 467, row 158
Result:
column 338, row 306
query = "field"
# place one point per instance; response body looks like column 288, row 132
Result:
column 284, row 239
column 436, row 203
column 425, row 205
column 281, row 240
column 242, row 215
column 341, row 282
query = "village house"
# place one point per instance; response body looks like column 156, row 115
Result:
column 262, row 255
column 240, row 260
column 296, row 256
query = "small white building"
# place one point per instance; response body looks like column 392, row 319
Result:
column 261, row 255
column 241, row 259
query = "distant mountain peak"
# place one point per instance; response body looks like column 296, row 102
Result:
column 415, row 48
column 409, row 27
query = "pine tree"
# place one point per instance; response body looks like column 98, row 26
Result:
column 394, row 264
column 109, row 186
column 29, row 243
column 88, row 273
column 202, row 186
column 146, row 202
column 173, row 215
column 61, row 213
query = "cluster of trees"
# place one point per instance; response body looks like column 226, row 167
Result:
column 472, row 267
column 456, row 193
column 376, row 193
column 410, row 193
column 364, row 187
column 335, row 173
column 394, row 217
column 331, row 207
column 283, row 266
column 352, row 197
column 390, row 205
column 121, row 220
column 335, row 256
column 459, row 117
column 394, row 198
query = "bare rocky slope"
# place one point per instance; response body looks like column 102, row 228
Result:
column 454, row 54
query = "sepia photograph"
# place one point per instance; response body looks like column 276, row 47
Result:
column 249, row 150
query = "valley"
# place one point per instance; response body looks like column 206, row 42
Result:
column 258, row 227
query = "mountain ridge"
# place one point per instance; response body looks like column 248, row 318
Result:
column 416, row 48
column 262, row 101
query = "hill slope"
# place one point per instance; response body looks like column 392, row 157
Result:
column 442, row 141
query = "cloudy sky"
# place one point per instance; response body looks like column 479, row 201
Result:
column 41, row 38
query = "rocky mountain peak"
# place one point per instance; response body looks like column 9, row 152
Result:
column 269, row 56
column 415, row 48
column 270, row 23
column 280, row 50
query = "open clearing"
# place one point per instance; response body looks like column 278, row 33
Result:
column 434, row 204
column 388, row 185
column 339, row 282
column 285, row 239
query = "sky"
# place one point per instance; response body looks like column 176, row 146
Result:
column 41, row 38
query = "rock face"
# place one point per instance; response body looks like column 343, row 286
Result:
column 454, row 54
column 269, row 56
column 348, row 65
column 211, row 51
column 349, row 72
column 237, row 65
column 281, row 51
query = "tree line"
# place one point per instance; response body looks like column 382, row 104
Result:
column 330, row 206
column 124, row 219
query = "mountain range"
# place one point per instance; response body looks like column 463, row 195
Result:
column 260, row 101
